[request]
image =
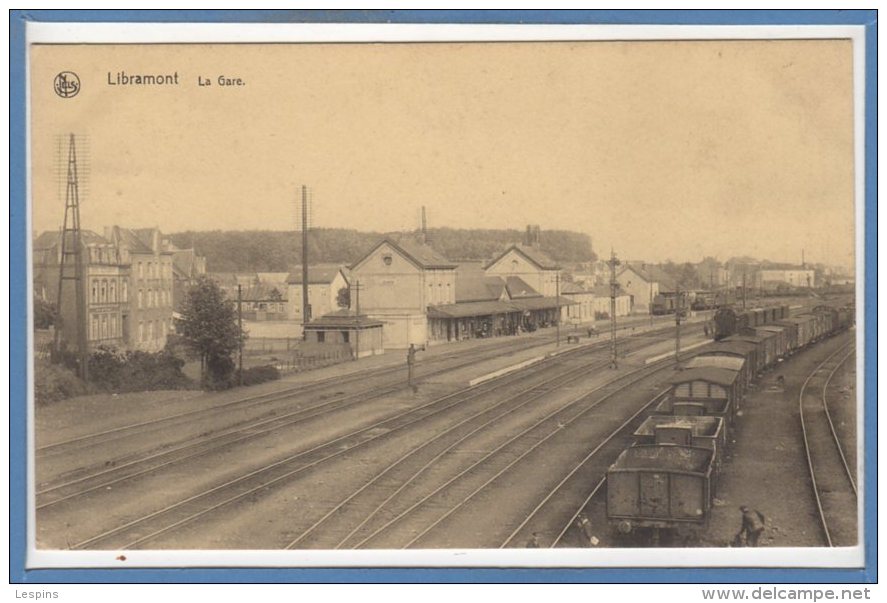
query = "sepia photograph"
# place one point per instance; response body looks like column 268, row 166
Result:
column 555, row 299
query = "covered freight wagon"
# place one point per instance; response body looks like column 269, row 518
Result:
column 762, row 358
column 708, row 386
column 804, row 327
column 660, row 487
column 745, row 350
column 731, row 362
column 781, row 338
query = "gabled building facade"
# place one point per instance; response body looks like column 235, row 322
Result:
column 324, row 283
column 528, row 263
column 398, row 281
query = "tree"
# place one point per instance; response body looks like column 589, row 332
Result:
column 343, row 298
column 44, row 314
column 209, row 329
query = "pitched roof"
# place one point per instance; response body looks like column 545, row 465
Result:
column 518, row 288
column 319, row 274
column 542, row 303
column 184, row 261
column 651, row 274
column 129, row 239
column 570, row 288
column 475, row 308
column 263, row 292
column 604, row 291
column 343, row 318
column 424, row 254
column 533, row 254
column 479, row 288
column 52, row 238
column 419, row 254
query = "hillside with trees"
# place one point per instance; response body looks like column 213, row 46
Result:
column 279, row 251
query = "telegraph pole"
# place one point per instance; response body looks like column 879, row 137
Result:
column 72, row 213
column 240, row 331
column 356, row 288
column 613, row 262
column 557, row 298
column 650, row 284
column 306, row 308
column 679, row 308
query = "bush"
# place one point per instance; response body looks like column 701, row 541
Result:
column 218, row 373
column 53, row 382
column 258, row 374
column 136, row 371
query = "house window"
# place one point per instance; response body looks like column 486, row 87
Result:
column 141, row 331
column 104, row 291
column 125, row 292
column 141, row 300
column 141, row 270
column 95, row 291
column 112, row 292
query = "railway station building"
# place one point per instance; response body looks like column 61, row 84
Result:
column 516, row 292
column 398, row 280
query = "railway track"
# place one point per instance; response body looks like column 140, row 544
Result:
column 177, row 514
column 164, row 520
column 350, row 517
column 440, row 517
column 70, row 445
column 832, row 480
column 71, row 487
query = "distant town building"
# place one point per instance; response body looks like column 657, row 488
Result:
column 768, row 278
column 149, row 316
column 582, row 310
column 264, row 301
column 128, row 286
column 642, row 283
column 602, row 301
column 105, row 287
column 324, row 283
column 187, row 267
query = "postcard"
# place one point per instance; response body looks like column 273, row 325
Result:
column 445, row 295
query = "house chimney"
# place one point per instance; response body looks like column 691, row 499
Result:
column 424, row 227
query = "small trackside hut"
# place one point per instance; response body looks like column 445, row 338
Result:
column 361, row 333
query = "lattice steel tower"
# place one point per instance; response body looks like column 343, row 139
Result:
column 71, row 268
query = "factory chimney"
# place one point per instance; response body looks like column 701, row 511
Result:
column 533, row 235
column 424, row 233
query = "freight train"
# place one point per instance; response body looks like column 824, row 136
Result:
column 668, row 478
column 729, row 321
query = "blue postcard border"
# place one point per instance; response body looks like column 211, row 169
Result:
column 18, row 309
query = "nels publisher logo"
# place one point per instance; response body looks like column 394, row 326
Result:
column 67, row 84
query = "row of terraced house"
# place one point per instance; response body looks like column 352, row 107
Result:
column 133, row 281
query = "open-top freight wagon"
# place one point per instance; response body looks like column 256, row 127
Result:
column 660, row 487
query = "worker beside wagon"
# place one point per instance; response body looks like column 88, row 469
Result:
column 753, row 523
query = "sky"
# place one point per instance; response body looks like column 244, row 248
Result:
column 662, row 150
